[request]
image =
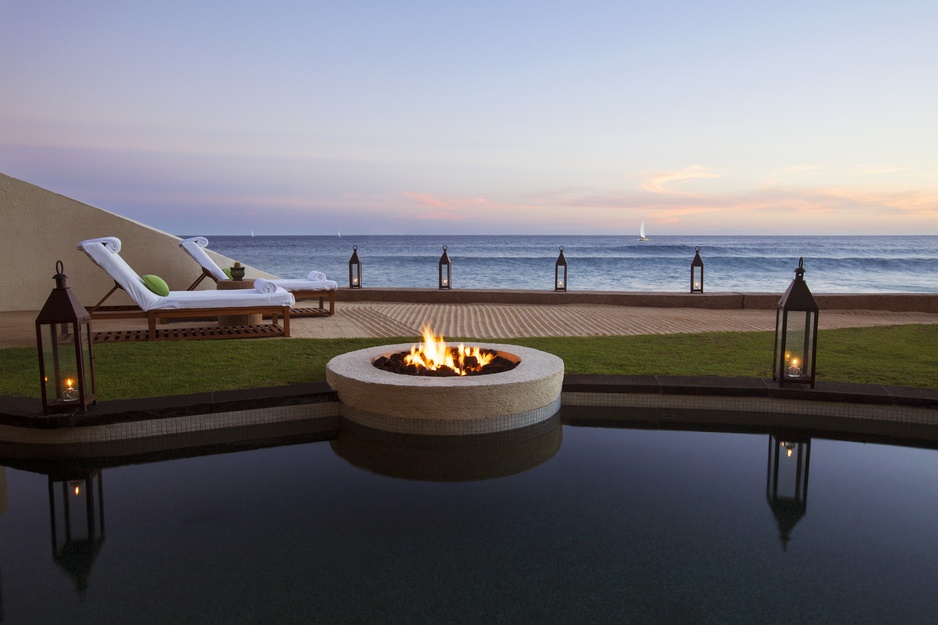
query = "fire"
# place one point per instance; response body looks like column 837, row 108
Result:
column 435, row 354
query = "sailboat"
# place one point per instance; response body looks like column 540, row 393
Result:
column 641, row 233
column 252, row 233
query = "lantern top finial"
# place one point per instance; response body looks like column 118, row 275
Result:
column 697, row 249
column 60, row 276
column 799, row 272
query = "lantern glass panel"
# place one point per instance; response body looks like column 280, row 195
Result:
column 779, row 344
column 810, row 323
column 794, row 344
column 696, row 278
column 798, row 343
column 60, row 365
column 84, row 332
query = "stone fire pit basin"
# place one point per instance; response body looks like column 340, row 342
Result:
column 497, row 402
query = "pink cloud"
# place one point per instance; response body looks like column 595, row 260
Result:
column 442, row 216
column 426, row 199
column 661, row 181
column 457, row 209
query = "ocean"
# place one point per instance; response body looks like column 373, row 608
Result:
column 753, row 264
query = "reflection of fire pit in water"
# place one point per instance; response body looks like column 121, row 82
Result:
column 449, row 458
column 458, row 404
column 435, row 358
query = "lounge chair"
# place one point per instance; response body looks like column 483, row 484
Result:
column 314, row 285
column 264, row 299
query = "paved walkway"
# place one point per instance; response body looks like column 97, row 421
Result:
column 502, row 321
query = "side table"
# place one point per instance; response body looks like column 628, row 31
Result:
column 237, row 320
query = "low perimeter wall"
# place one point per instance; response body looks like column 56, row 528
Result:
column 40, row 227
column 894, row 302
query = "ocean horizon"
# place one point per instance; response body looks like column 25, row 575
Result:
column 760, row 264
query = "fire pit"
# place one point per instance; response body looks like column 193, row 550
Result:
column 522, row 394
column 435, row 358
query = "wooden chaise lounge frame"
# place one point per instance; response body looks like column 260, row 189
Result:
column 99, row 311
column 194, row 247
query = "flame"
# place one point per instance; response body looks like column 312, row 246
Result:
column 435, row 354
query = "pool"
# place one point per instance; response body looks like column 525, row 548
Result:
column 564, row 522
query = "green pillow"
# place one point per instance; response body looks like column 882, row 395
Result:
column 227, row 272
column 157, row 285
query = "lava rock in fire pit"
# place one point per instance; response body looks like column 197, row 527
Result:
column 395, row 363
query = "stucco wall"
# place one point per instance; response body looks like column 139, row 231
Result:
column 39, row 227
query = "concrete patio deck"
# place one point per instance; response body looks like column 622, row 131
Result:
column 511, row 314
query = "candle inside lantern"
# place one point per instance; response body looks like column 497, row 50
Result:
column 794, row 370
column 71, row 393
column 445, row 281
column 696, row 285
column 354, row 280
column 560, row 283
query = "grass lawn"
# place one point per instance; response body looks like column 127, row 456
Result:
column 893, row 355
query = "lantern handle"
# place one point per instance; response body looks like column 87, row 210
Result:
column 354, row 248
column 444, row 248
column 59, row 267
column 697, row 249
column 561, row 248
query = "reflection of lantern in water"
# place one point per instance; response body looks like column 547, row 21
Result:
column 786, row 487
column 76, row 508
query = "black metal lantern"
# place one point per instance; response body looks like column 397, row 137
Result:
column 560, row 272
column 446, row 271
column 696, row 272
column 76, row 507
column 354, row 270
column 786, row 482
column 66, row 362
column 796, row 333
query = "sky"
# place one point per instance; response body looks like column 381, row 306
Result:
column 478, row 117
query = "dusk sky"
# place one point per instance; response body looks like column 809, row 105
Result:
column 437, row 117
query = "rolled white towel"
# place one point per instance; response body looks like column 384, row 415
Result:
column 200, row 241
column 316, row 276
column 265, row 286
column 111, row 243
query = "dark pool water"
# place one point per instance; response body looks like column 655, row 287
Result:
column 576, row 525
